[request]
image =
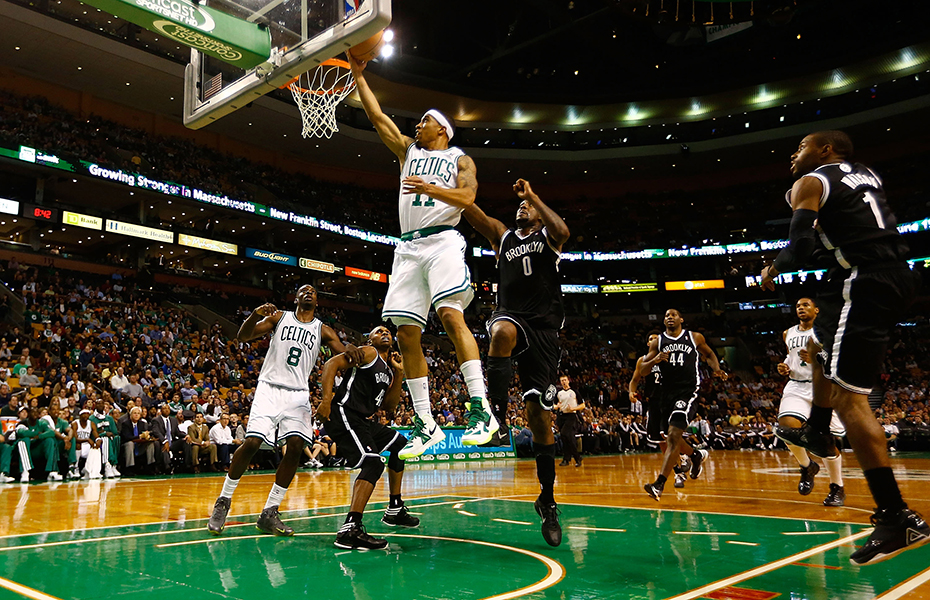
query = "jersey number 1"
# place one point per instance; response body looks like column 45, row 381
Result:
column 417, row 202
column 293, row 356
column 872, row 201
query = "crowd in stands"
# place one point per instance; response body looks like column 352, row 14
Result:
column 108, row 367
column 662, row 219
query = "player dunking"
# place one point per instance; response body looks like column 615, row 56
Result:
column 281, row 410
column 438, row 181
column 868, row 288
column 347, row 411
column 526, row 323
column 656, row 426
column 676, row 352
column 795, row 407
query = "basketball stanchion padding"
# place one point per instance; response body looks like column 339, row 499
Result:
column 318, row 92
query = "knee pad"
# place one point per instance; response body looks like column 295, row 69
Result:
column 394, row 462
column 372, row 468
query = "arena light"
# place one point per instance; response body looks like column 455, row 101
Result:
column 387, row 51
column 388, row 36
column 764, row 96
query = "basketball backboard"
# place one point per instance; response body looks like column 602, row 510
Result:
column 304, row 33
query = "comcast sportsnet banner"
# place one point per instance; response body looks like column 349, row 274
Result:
column 451, row 448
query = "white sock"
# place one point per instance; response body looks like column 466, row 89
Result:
column 801, row 454
column 229, row 487
column 275, row 496
column 419, row 395
column 474, row 381
column 835, row 469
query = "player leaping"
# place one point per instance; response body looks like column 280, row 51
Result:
column 438, row 181
column 527, row 321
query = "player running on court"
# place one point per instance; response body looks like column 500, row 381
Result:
column 347, row 411
column 676, row 352
column 868, row 289
column 526, row 323
column 795, row 407
column 281, row 409
column 438, row 181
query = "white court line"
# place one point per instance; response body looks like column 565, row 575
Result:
column 555, row 574
column 772, row 566
column 514, row 522
column 595, row 528
column 902, row 589
column 467, row 514
column 459, row 505
column 703, row 533
column 156, row 533
column 742, row 543
column 25, row 591
column 810, row 532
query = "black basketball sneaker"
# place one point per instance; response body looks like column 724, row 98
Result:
column 806, row 485
column 894, row 533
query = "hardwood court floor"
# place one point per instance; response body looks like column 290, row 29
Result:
column 740, row 532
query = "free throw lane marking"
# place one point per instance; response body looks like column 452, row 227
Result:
column 901, row 590
column 467, row 514
column 25, row 591
column 596, row 528
column 704, row 533
column 742, row 543
column 555, row 570
column 513, row 522
column 810, row 532
column 772, row 566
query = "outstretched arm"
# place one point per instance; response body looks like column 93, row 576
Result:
column 392, row 397
column 337, row 364
column 388, row 131
column 461, row 196
column 262, row 320
column 487, row 226
column 354, row 354
column 805, row 204
column 558, row 230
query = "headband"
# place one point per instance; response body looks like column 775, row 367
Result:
column 442, row 120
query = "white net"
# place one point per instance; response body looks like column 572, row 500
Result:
column 317, row 93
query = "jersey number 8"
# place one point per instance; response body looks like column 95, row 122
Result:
column 293, row 356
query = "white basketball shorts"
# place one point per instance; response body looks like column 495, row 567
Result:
column 796, row 402
column 279, row 413
column 428, row 271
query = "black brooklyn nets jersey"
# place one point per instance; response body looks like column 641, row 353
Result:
column 855, row 224
column 363, row 388
column 681, row 368
column 652, row 383
column 529, row 279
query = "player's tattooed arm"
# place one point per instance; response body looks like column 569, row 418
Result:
column 461, row 196
column 262, row 320
column 487, row 226
column 354, row 354
column 709, row 355
column 387, row 130
column 555, row 225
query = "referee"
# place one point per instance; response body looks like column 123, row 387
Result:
column 569, row 421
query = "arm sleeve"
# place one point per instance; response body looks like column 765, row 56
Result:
column 801, row 241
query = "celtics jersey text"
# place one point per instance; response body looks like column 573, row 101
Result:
column 855, row 224
column 796, row 340
column 681, row 368
column 437, row 167
column 363, row 388
column 529, row 279
column 292, row 353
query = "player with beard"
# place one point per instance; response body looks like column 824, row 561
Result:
column 526, row 323
column 677, row 351
column 281, row 409
column 869, row 287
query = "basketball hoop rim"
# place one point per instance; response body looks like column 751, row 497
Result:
column 332, row 62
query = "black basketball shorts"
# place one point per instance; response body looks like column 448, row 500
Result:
column 678, row 405
column 539, row 351
column 357, row 436
column 858, row 308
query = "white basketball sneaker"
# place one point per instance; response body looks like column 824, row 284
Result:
column 24, row 478
column 482, row 425
column 421, row 439
column 4, row 478
column 114, row 471
column 54, row 476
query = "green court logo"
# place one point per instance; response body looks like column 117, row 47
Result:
column 199, row 41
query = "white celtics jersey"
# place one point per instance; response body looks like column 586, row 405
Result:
column 292, row 353
column 440, row 168
column 796, row 340
column 83, row 431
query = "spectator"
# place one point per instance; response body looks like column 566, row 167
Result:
column 138, row 442
column 221, row 437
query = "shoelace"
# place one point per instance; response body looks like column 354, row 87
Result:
column 476, row 416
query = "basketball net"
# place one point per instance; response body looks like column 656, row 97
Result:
column 318, row 92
